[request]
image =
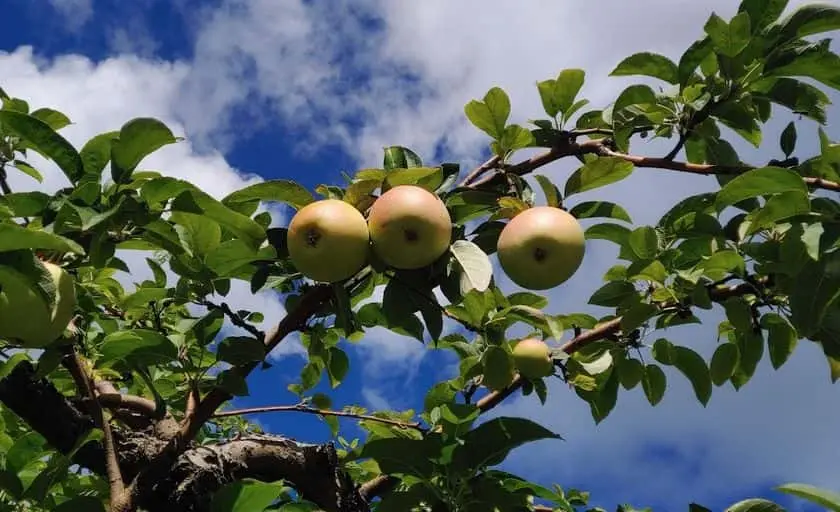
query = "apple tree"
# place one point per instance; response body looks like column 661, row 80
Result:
column 117, row 398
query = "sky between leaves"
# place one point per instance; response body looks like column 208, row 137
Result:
column 264, row 89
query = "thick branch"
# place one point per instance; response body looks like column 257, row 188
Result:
column 319, row 412
column 313, row 470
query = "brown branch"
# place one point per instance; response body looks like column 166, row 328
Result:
column 320, row 412
column 111, row 398
column 377, row 486
column 309, row 303
column 716, row 294
column 481, row 169
column 118, row 496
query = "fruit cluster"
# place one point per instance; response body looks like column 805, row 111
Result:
column 409, row 227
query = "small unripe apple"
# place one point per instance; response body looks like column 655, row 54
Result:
column 541, row 247
column 328, row 240
column 532, row 358
column 25, row 317
column 410, row 227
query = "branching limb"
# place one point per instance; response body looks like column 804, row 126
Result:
column 481, row 169
column 320, row 412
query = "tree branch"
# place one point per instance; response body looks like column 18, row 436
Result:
column 234, row 318
column 111, row 398
column 310, row 302
column 320, row 412
column 716, row 294
column 118, row 496
column 481, row 169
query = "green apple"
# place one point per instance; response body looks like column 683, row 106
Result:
column 328, row 240
column 410, row 227
column 541, row 247
column 25, row 317
column 532, row 358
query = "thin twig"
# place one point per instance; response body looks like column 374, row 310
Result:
column 234, row 318
column 319, row 412
column 481, row 169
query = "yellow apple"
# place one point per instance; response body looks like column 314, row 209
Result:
column 410, row 227
column 328, row 240
column 541, row 247
column 532, row 358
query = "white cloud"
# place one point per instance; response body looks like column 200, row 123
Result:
column 76, row 13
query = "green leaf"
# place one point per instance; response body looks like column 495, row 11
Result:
column 398, row 157
column 402, row 455
column 690, row 364
column 429, row 178
column 140, row 345
column 634, row 95
column 653, row 383
column 552, row 194
column 491, row 442
column 751, row 349
column 245, row 496
column 138, row 138
column 491, row 114
column 813, row 61
column 693, row 56
column 190, row 199
column 338, row 365
column 630, row 372
column 822, row 497
column 14, row 237
column 281, row 191
column 648, row 64
column 755, row 505
column 598, row 173
column 238, row 350
column 781, row 340
column 476, row 269
column 514, row 137
column 731, row 38
column 811, row 19
column 762, row 12
column 759, row 182
column 817, row 288
column 590, row 209
column 27, row 169
column 96, row 153
column 644, row 242
column 608, row 231
column 787, row 140
column 724, row 362
column 613, row 294
column 558, row 95
column 52, row 118
column 45, row 141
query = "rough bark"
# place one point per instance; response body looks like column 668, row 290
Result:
column 187, row 483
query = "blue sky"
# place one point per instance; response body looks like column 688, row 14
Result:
column 300, row 89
